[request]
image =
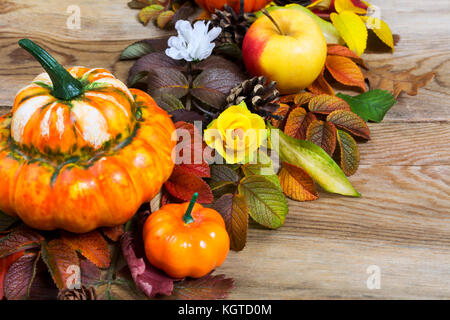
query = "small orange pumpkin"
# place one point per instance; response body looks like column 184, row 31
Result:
column 249, row 5
column 80, row 150
column 186, row 240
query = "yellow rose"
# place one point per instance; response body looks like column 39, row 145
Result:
column 236, row 134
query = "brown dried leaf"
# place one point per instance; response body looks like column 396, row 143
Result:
column 321, row 85
column 91, row 245
column 19, row 240
column 298, row 122
column 208, row 287
column 58, row 256
column 345, row 71
column 297, row 184
column 351, row 122
column 113, row 233
column 349, row 155
column 325, row 104
column 234, row 211
column 397, row 82
column 282, row 111
column 323, row 134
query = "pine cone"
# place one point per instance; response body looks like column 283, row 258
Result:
column 261, row 98
column 234, row 26
column 78, row 294
column 300, row 2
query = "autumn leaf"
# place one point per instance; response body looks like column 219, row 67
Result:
column 5, row 263
column 372, row 105
column 182, row 185
column 266, row 202
column 297, row 184
column 281, row 112
column 113, row 233
column 20, row 276
column 381, row 29
column 349, row 152
column 352, row 29
column 322, row 134
column 396, row 82
column 262, row 167
column 297, row 123
column 321, row 86
column 193, row 161
column 223, row 173
column 325, row 104
column 90, row 273
column 345, row 71
column 91, row 245
column 349, row 121
column 18, row 240
column 149, row 13
column 208, row 287
column 347, row 5
column 338, row 50
column 58, row 256
column 147, row 278
column 234, row 211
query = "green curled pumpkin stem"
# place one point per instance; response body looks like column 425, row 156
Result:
column 65, row 87
column 187, row 218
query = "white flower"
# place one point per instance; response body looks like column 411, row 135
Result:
column 192, row 44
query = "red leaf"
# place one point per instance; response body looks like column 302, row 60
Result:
column 183, row 185
column 298, row 122
column 58, row 256
column 113, row 233
column 20, row 276
column 19, row 240
column 5, row 263
column 189, row 131
column 345, row 71
column 150, row 280
column 206, row 288
column 91, row 245
column 349, row 121
column 322, row 134
column 200, row 170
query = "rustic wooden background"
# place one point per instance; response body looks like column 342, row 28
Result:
column 402, row 222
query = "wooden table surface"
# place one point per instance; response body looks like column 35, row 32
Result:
column 402, row 222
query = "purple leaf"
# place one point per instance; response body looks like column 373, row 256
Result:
column 150, row 280
column 20, row 276
column 90, row 273
column 18, row 240
column 185, row 115
column 208, row 287
column 167, row 81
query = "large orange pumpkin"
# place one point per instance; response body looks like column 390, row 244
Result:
column 80, row 150
column 249, row 5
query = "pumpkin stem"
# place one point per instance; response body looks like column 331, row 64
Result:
column 187, row 218
column 65, row 87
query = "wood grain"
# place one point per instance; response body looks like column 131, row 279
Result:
column 402, row 221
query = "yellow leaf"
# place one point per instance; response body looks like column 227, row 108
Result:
column 352, row 29
column 347, row 5
column 320, row 5
column 381, row 29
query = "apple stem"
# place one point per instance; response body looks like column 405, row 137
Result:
column 267, row 14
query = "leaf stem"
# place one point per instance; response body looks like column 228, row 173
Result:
column 267, row 14
column 187, row 218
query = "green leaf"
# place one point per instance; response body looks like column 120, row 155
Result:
column 6, row 221
column 136, row 50
column 316, row 162
column 263, row 167
column 372, row 105
column 137, row 77
column 266, row 202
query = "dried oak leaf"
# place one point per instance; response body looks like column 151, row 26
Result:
column 20, row 276
column 349, row 152
column 325, row 104
column 208, row 287
column 113, row 233
column 345, row 71
column 18, row 240
column 396, row 82
column 296, row 183
column 91, row 245
column 298, row 122
column 351, row 122
column 147, row 278
column 59, row 256
column 234, row 211
column 322, row 134
column 183, row 184
column 5, row 263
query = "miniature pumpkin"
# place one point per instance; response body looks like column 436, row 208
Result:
column 80, row 150
column 249, row 5
column 186, row 240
